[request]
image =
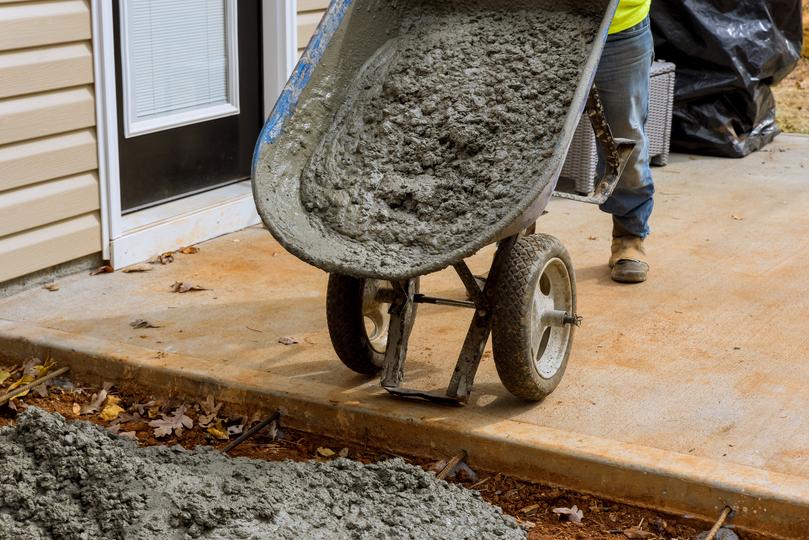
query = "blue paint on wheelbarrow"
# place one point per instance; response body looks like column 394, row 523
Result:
column 285, row 106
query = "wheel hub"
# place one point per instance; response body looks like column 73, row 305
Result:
column 375, row 314
column 551, row 318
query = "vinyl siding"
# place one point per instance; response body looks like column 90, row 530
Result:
column 49, row 192
column 309, row 14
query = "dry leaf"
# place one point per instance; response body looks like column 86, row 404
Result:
column 41, row 390
column 53, row 287
column 573, row 514
column 174, row 422
column 76, row 409
column 142, row 323
column 736, row 218
column 95, row 403
column 31, row 370
column 634, row 533
column 343, row 453
column 165, row 258
column 111, row 409
column 288, row 341
column 182, row 287
column 219, row 433
column 129, row 435
column 144, row 408
column 106, row 269
column 190, row 250
column 325, row 452
column 4, row 375
column 143, row 267
column 211, row 409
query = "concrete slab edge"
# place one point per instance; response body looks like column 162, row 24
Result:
column 768, row 503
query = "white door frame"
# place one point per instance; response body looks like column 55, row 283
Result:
column 138, row 236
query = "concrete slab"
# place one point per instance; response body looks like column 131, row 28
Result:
column 686, row 392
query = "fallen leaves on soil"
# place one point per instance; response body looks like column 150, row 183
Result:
column 573, row 514
column 211, row 409
column 53, row 287
column 182, row 287
column 172, row 423
column 96, row 402
column 189, row 250
column 111, row 409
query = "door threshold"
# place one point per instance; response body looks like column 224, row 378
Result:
column 183, row 222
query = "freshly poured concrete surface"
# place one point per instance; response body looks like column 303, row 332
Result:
column 700, row 373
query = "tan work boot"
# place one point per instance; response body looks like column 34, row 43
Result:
column 628, row 261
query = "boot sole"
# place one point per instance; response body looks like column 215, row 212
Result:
column 629, row 275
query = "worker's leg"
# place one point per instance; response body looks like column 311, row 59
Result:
column 623, row 85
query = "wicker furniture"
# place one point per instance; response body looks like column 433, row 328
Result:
column 582, row 158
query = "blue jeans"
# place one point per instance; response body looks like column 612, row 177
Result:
column 623, row 85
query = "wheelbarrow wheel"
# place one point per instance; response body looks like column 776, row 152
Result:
column 358, row 322
column 532, row 330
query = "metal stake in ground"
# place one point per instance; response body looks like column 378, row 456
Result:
column 26, row 387
column 451, row 464
column 718, row 525
column 253, row 430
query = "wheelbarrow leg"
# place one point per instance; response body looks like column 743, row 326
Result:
column 398, row 333
column 460, row 386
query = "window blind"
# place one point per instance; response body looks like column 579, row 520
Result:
column 177, row 53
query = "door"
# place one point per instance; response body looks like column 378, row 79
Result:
column 189, row 79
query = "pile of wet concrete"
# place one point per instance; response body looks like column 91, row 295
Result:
column 61, row 479
column 449, row 124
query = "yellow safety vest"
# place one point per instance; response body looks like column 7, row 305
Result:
column 629, row 13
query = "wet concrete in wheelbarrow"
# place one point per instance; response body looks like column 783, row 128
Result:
column 686, row 391
column 447, row 126
column 426, row 131
column 61, row 479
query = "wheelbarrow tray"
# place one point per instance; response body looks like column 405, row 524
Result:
column 348, row 37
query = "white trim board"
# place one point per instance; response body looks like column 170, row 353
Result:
column 183, row 222
column 141, row 235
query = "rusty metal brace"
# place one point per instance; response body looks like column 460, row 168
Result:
column 483, row 301
column 616, row 154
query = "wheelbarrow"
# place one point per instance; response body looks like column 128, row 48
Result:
column 527, row 301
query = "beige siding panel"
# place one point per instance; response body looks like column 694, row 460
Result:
column 51, row 157
column 45, row 68
column 32, row 206
column 46, row 246
column 307, row 24
column 312, row 5
column 31, row 24
column 39, row 115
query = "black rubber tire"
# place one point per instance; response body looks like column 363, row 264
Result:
column 346, row 325
column 511, row 336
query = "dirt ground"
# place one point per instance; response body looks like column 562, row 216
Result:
column 147, row 419
column 792, row 100
column 792, row 94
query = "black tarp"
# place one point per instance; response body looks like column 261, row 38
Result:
column 727, row 54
